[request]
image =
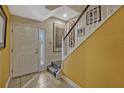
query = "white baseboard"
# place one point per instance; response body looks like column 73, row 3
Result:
column 7, row 83
column 70, row 82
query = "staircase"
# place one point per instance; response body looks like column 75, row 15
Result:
column 54, row 67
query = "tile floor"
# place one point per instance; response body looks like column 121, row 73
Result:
column 43, row 80
column 20, row 81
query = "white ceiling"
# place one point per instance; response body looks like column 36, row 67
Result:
column 40, row 12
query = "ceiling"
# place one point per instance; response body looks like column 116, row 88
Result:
column 43, row 12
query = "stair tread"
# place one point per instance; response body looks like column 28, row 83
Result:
column 52, row 69
column 55, row 67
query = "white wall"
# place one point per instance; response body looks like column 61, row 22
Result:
column 49, row 42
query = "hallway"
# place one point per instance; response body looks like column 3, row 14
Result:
column 83, row 45
column 41, row 80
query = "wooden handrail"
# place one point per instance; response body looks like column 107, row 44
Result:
column 76, row 21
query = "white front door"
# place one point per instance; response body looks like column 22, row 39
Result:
column 25, row 50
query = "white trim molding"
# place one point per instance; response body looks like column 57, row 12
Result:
column 70, row 82
column 7, row 83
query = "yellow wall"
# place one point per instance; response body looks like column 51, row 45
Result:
column 99, row 61
column 4, row 53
